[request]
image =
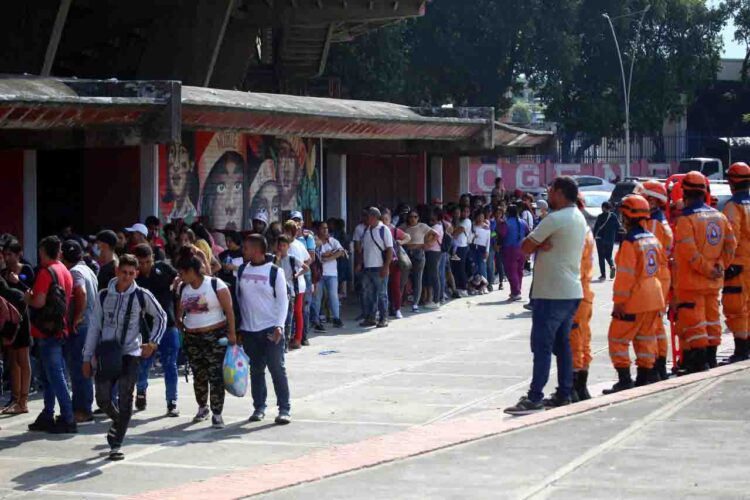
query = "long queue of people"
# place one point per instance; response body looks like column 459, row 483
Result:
column 86, row 325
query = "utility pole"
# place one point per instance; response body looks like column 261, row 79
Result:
column 627, row 82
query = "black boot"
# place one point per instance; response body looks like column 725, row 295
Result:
column 697, row 362
column 741, row 350
column 660, row 368
column 582, row 378
column 643, row 377
column 686, row 362
column 574, row 397
column 711, row 356
column 624, row 382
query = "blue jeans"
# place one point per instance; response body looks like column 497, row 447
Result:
column 442, row 280
column 480, row 262
column 491, row 265
column 375, row 293
column 550, row 333
column 263, row 352
column 53, row 378
column 169, row 347
column 83, row 388
column 307, row 302
column 331, row 284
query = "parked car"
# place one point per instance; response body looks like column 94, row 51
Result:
column 622, row 189
column 592, row 183
column 592, row 204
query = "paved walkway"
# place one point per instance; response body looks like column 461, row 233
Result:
column 471, row 357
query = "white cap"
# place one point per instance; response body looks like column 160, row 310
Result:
column 261, row 216
column 138, row 228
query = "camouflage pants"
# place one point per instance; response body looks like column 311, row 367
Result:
column 206, row 358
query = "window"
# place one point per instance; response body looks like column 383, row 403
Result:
column 588, row 181
column 710, row 168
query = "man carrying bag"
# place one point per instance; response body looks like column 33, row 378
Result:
column 115, row 341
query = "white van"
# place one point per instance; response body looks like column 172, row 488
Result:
column 710, row 167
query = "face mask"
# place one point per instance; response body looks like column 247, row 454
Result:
column 96, row 250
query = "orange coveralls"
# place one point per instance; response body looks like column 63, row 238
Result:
column 580, row 333
column 659, row 227
column 703, row 239
column 736, row 294
column 637, row 287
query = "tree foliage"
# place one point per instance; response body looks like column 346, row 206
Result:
column 472, row 55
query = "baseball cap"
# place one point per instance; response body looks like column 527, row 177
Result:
column 107, row 236
column 72, row 251
column 137, row 228
column 296, row 215
column 541, row 204
column 261, row 216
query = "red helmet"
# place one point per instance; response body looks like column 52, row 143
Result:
column 694, row 181
column 654, row 189
column 738, row 173
column 635, row 206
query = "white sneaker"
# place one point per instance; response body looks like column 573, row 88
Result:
column 415, row 309
column 399, row 315
column 432, row 306
column 463, row 293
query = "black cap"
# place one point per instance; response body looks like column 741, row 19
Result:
column 107, row 236
column 72, row 251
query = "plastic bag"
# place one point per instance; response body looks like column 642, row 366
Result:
column 236, row 371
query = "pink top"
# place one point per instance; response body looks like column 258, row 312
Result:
column 435, row 245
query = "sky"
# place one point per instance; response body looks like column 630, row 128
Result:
column 732, row 50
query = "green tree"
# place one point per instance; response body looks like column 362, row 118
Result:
column 678, row 53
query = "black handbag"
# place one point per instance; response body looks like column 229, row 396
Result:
column 109, row 353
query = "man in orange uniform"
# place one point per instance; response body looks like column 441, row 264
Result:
column 638, row 299
column 736, row 296
column 656, row 195
column 704, row 247
column 580, row 333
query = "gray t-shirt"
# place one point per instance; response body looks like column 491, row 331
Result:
column 557, row 272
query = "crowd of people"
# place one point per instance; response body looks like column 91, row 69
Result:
column 96, row 312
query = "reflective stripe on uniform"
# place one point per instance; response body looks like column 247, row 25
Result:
column 696, row 337
column 625, row 270
column 620, row 353
column 620, row 341
column 645, row 355
column 686, row 240
column 645, row 337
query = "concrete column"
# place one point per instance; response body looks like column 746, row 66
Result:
column 29, row 206
column 335, row 186
column 149, row 203
column 436, row 178
column 465, row 161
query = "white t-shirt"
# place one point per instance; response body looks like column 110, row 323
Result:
column 557, row 272
column 528, row 217
column 299, row 252
column 374, row 242
column 359, row 232
column 482, row 236
column 201, row 305
column 416, row 232
column 330, row 268
column 462, row 240
column 260, row 308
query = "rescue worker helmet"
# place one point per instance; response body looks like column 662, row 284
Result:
column 656, row 190
column 694, row 181
column 635, row 207
column 738, row 173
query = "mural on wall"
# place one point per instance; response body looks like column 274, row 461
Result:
column 526, row 175
column 223, row 178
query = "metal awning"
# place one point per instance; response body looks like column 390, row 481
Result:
column 280, row 114
column 512, row 136
column 157, row 111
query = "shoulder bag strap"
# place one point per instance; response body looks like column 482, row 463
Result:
column 126, row 323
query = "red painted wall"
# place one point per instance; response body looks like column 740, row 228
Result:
column 451, row 179
column 11, row 192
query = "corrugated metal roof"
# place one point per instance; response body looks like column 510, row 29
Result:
column 512, row 136
column 281, row 114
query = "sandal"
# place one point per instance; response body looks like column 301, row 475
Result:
column 15, row 409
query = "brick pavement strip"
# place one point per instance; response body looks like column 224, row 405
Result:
column 400, row 445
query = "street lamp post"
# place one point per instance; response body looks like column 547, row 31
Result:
column 627, row 82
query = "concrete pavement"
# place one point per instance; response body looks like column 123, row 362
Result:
column 349, row 386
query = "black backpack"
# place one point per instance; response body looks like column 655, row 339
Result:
column 50, row 318
column 271, row 278
column 447, row 243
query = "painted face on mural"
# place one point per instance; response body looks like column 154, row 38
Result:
column 289, row 174
column 224, row 194
column 179, row 170
column 268, row 198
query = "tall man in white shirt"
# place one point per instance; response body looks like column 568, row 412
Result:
column 263, row 306
column 377, row 253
